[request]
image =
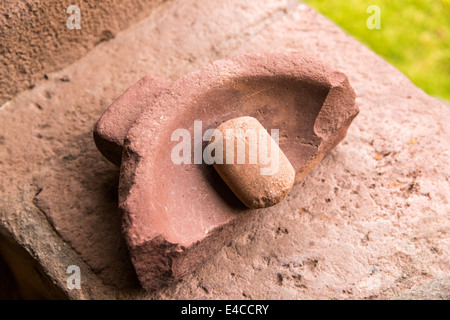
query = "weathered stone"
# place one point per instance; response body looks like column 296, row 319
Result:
column 111, row 129
column 370, row 221
column 30, row 27
column 438, row 289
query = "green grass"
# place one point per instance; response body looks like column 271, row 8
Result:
column 414, row 36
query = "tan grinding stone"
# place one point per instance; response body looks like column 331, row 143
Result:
column 259, row 178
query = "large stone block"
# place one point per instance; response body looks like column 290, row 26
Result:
column 370, row 221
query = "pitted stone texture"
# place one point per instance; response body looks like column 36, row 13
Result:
column 370, row 221
column 38, row 31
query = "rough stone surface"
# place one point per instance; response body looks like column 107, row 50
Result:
column 370, row 221
column 438, row 289
column 35, row 40
column 113, row 126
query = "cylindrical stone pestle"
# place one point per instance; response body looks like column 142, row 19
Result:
column 251, row 163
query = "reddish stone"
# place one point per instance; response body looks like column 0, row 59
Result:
column 113, row 126
column 176, row 216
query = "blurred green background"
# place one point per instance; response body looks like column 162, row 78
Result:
column 414, row 36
